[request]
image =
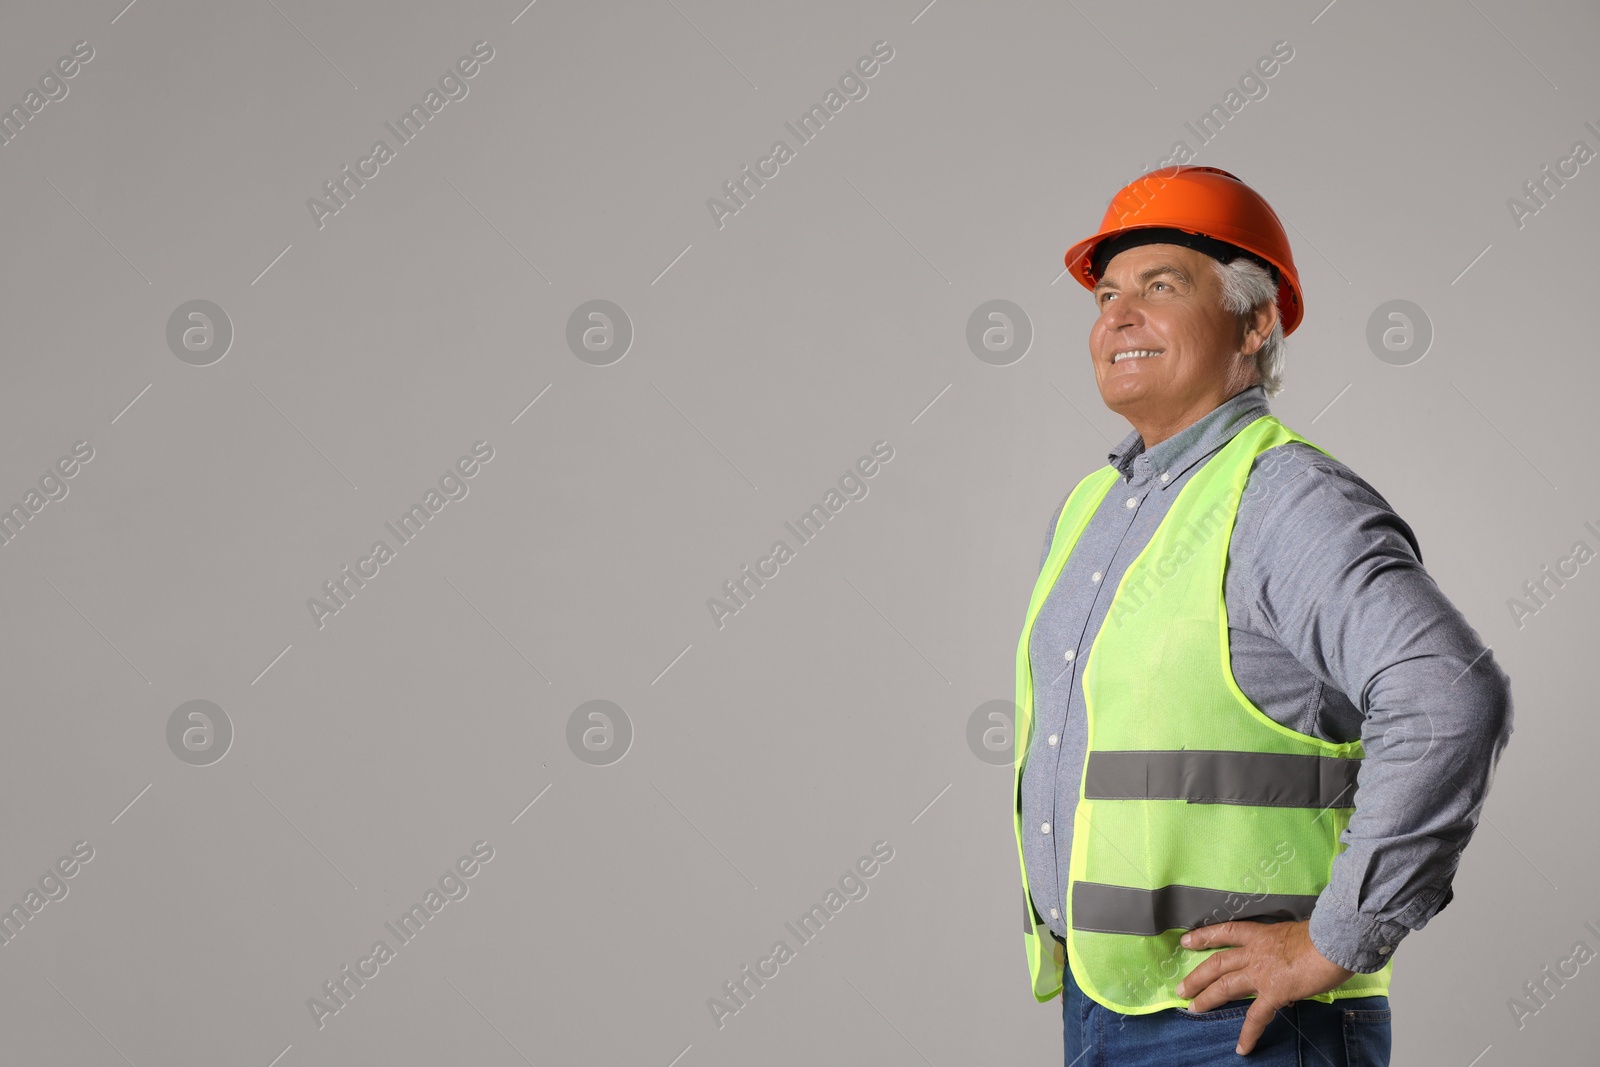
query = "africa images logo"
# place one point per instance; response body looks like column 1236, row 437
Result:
column 342, row 589
column 852, row 86
column 452, row 86
column 853, row 886
column 812, row 522
column 342, row 988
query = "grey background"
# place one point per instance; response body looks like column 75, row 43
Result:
column 769, row 355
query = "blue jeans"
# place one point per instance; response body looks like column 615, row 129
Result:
column 1353, row 1032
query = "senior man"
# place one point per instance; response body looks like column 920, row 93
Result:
column 1253, row 736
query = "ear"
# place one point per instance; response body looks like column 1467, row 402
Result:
column 1258, row 326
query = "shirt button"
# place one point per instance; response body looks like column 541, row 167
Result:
column 1053, row 739
column 1054, row 914
column 1383, row 950
column 1072, row 654
column 1045, row 828
column 1165, row 477
column 1133, row 501
column 1095, row 577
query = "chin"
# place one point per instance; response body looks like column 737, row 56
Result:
column 1124, row 394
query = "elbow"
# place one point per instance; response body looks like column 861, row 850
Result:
column 1507, row 715
column 1500, row 720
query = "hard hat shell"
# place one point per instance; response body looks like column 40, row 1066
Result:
column 1203, row 200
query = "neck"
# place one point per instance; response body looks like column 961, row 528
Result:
column 1155, row 427
column 1153, row 434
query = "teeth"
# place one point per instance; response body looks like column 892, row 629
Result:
column 1139, row 354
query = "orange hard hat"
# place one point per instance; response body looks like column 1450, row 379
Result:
column 1204, row 208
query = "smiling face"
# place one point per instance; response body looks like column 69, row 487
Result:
column 1165, row 349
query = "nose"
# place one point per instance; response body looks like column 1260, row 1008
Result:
column 1121, row 311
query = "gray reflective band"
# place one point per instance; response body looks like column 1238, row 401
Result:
column 1120, row 909
column 1200, row 776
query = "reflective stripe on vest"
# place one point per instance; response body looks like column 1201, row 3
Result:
column 1120, row 909
column 1194, row 807
column 1270, row 779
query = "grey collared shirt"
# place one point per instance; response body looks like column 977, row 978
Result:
column 1335, row 630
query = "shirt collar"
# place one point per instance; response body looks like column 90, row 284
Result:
column 1194, row 442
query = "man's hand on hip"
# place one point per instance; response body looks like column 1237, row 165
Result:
column 1274, row 962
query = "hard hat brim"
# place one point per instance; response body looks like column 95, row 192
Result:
column 1205, row 202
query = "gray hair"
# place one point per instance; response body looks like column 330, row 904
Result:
column 1246, row 285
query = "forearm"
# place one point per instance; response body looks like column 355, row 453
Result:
column 1340, row 583
column 1435, row 727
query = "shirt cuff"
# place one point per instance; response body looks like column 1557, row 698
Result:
column 1352, row 940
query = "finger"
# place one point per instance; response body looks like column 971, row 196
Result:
column 1256, row 1019
column 1209, row 970
column 1235, row 985
column 1217, row 934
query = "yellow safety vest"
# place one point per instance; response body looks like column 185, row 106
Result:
column 1194, row 807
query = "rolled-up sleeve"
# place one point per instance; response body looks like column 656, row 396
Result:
column 1339, row 582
